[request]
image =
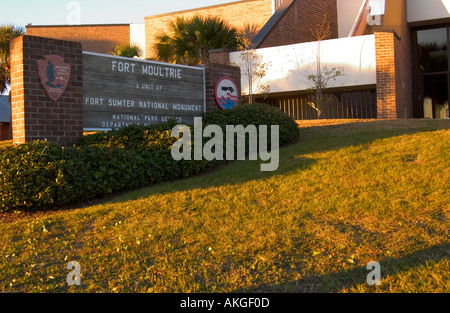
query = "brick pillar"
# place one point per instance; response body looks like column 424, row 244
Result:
column 220, row 56
column 213, row 72
column 386, row 81
column 34, row 115
column 394, row 68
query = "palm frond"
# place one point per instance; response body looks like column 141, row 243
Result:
column 7, row 32
column 129, row 50
column 189, row 40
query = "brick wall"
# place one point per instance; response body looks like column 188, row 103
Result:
column 220, row 56
column 296, row 24
column 213, row 72
column 94, row 38
column 34, row 115
column 386, row 82
column 394, row 85
column 238, row 14
column 403, row 68
column 393, row 57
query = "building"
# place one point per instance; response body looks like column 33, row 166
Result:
column 99, row 38
column 102, row 38
column 287, row 43
column 238, row 14
column 394, row 52
column 5, row 118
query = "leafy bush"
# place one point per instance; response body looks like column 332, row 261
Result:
column 27, row 174
column 257, row 114
column 134, row 137
column 41, row 176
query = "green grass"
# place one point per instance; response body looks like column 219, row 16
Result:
column 344, row 195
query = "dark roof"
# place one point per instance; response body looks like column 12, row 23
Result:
column 272, row 22
column 5, row 110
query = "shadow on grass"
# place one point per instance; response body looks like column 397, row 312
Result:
column 359, row 133
column 231, row 173
column 312, row 139
column 335, row 282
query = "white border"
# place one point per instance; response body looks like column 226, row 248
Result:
column 141, row 60
column 204, row 89
column 96, row 129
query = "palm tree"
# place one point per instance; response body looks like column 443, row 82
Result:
column 128, row 50
column 247, row 33
column 7, row 32
column 4, row 80
column 190, row 40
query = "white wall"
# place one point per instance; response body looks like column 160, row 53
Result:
column 137, row 36
column 423, row 10
column 289, row 64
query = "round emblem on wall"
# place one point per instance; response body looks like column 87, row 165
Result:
column 226, row 93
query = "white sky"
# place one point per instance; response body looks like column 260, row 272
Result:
column 57, row 12
column 61, row 12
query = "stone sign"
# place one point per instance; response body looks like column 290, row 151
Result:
column 120, row 91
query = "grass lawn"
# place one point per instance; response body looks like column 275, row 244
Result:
column 343, row 196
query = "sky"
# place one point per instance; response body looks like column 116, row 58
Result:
column 61, row 12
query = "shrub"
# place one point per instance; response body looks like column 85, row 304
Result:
column 41, row 176
column 257, row 114
column 153, row 143
column 27, row 175
column 134, row 137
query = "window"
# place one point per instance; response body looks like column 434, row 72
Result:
column 432, row 49
column 431, row 72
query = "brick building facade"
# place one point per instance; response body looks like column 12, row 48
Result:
column 238, row 14
column 410, row 81
column 294, row 21
column 94, row 38
column 407, row 82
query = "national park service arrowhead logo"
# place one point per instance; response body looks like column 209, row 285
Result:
column 54, row 75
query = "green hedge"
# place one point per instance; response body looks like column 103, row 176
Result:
column 41, row 176
column 257, row 114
